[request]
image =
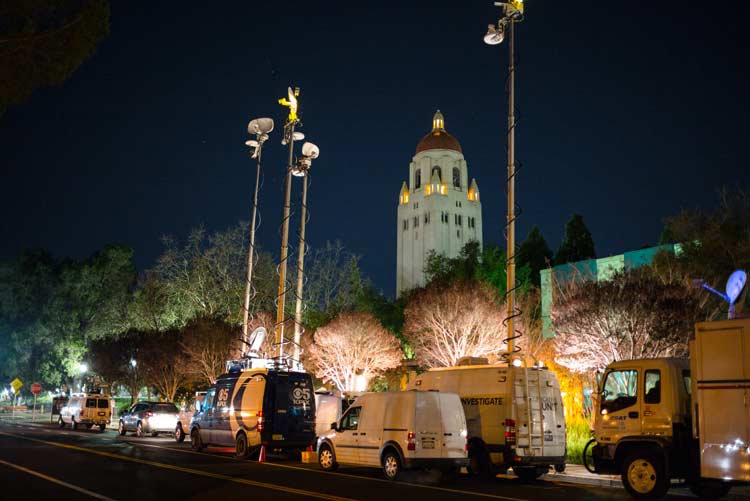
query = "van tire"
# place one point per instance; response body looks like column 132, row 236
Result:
column 643, row 475
column 89, row 426
column 102, row 427
column 528, row 473
column 121, row 429
column 391, row 464
column 195, row 440
column 241, row 450
column 326, row 458
column 179, row 433
column 480, row 465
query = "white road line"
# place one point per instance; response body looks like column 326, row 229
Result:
column 56, row 481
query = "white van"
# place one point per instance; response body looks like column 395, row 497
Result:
column 329, row 405
column 514, row 415
column 86, row 409
column 396, row 430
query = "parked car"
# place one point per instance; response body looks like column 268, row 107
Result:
column 149, row 417
column 399, row 430
column 183, row 419
column 87, row 409
column 254, row 407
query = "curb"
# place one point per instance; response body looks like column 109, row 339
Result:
column 599, row 480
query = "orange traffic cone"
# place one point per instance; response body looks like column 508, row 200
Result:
column 262, row 455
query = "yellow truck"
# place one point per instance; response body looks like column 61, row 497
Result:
column 667, row 418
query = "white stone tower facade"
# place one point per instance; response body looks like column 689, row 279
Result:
column 438, row 210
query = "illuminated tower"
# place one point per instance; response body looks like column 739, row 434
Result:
column 438, row 210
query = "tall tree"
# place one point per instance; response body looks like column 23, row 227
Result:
column 43, row 42
column 208, row 344
column 712, row 245
column 446, row 324
column 634, row 315
column 577, row 243
column 353, row 345
column 163, row 362
column 535, row 253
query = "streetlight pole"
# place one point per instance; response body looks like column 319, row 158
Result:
column 512, row 13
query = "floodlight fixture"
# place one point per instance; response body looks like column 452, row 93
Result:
column 260, row 126
column 494, row 35
column 298, row 136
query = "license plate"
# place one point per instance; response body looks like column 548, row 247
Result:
column 277, row 436
column 428, row 444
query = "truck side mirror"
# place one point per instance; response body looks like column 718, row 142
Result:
column 335, row 426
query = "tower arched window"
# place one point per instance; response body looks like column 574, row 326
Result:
column 439, row 172
column 456, row 177
column 417, row 179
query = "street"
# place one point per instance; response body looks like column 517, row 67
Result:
column 40, row 461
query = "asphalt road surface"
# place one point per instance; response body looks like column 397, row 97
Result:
column 44, row 462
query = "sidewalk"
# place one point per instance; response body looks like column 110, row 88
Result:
column 577, row 474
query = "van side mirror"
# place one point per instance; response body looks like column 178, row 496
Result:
column 335, row 426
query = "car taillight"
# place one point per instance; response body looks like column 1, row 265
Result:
column 510, row 432
column 466, row 445
column 82, row 411
column 411, row 444
column 149, row 414
column 260, row 421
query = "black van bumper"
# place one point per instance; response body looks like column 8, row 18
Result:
column 436, row 463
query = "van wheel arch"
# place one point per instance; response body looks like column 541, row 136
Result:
column 396, row 447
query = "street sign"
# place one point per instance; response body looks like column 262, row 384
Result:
column 16, row 384
column 36, row 388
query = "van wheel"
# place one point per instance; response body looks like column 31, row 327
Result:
column 643, row 476
column 179, row 434
column 326, row 459
column 102, row 427
column 240, row 446
column 195, row 440
column 391, row 465
column 60, row 422
column 121, row 428
column 139, row 430
column 528, row 474
column 479, row 463
column 89, row 426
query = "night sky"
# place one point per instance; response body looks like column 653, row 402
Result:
column 629, row 112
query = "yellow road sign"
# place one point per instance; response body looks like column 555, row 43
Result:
column 16, row 384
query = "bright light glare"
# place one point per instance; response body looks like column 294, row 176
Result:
column 82, row 368
column 517, row 362
column 133, row 363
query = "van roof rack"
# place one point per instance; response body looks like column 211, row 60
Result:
column 283, row 364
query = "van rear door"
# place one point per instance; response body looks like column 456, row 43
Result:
column 540, row 423
column 428, row 424
column 454, row 426
column 293, row 405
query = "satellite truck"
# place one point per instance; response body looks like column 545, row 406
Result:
column 259, row 404
column 514, row 415
column 666, row 418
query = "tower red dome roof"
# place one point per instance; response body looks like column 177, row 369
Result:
column 438, row 138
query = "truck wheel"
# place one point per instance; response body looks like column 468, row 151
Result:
column 643, row 476
column 588, row 456
column 121, row 428
column 240, row 446
column 195, row 440
column 326, row 459
column 391, row 465
column 708, row 490
column 528, row 474
column 179, row 434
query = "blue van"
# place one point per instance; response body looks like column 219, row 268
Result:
column 254, row 407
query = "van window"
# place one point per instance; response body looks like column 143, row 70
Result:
column 619, row 390
column 208, row 402
column 686, row 380
column 350, row 421
column 91, row 402
column 166, row 408
column 652, row 386
column 102, row 403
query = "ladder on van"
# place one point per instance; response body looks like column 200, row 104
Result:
column 530, row 423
